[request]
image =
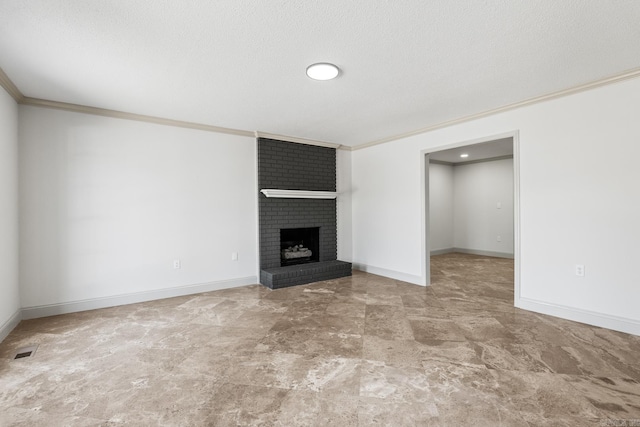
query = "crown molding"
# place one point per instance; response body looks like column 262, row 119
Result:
column 15, row 93
column 11, row 89
column 45, row 103
column 631, row 74
column 260, row 134
column 130, row 116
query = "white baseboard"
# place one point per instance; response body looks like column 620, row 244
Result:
column 482, row 253
column 397, row 275
column 10, row 324
column 95, row 303
column 615, row 323
column 442, row 251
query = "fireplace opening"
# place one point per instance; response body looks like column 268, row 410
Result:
column 299, row 245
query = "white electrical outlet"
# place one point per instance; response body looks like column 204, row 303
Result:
column 499, row 205
column 579, row 270
column 176, row 264
column 234, row 256
column 499, row 239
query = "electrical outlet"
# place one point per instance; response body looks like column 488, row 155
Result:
column 499, row 239
column 579, row 270
column 234, row 256
column 176, row 264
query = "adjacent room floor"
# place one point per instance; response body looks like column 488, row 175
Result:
column 357, row 351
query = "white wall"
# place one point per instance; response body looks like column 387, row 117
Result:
column 9, row 290
column 478, row 188
column 108, row 204
column 578, row 205
column 386, row 207
column 343, row 202
column 441, row 213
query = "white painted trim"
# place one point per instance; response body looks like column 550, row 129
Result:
column 11, row 88
column 297, row 140
column 553, row 95
column 131, row 116
column 442, row 251
column 298, row 194
column 397, row 275
column 95, row 303
column 10, row 324
column 256, row 208
column 425, row 220
column 483, row 253
column 517, row 254
column 615, row 323
column 472, row 252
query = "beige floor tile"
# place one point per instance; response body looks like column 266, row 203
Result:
column 357, row 351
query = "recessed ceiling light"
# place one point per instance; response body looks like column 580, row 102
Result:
column 322, row 71
column 464, row 155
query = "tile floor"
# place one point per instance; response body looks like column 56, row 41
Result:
column 358, row 351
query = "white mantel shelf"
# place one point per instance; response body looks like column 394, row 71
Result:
column 299, row 194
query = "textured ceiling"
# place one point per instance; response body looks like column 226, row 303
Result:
column 240, row 64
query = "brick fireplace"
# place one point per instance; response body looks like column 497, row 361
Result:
column 290, row 166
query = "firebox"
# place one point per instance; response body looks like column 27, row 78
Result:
column 299, row 245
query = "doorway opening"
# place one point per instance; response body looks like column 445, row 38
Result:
column 471, row 193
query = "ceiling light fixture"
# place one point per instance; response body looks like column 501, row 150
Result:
column 322, row 71
column 464, row 155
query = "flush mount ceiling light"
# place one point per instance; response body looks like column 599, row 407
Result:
column 464, row 156
column 322, row 71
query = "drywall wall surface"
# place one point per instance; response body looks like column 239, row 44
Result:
column 483, row 206
column 107, row 205
column 9, row 290
column 343, row 187
column 386, row 206
column 577, row 205
column 441, row 213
